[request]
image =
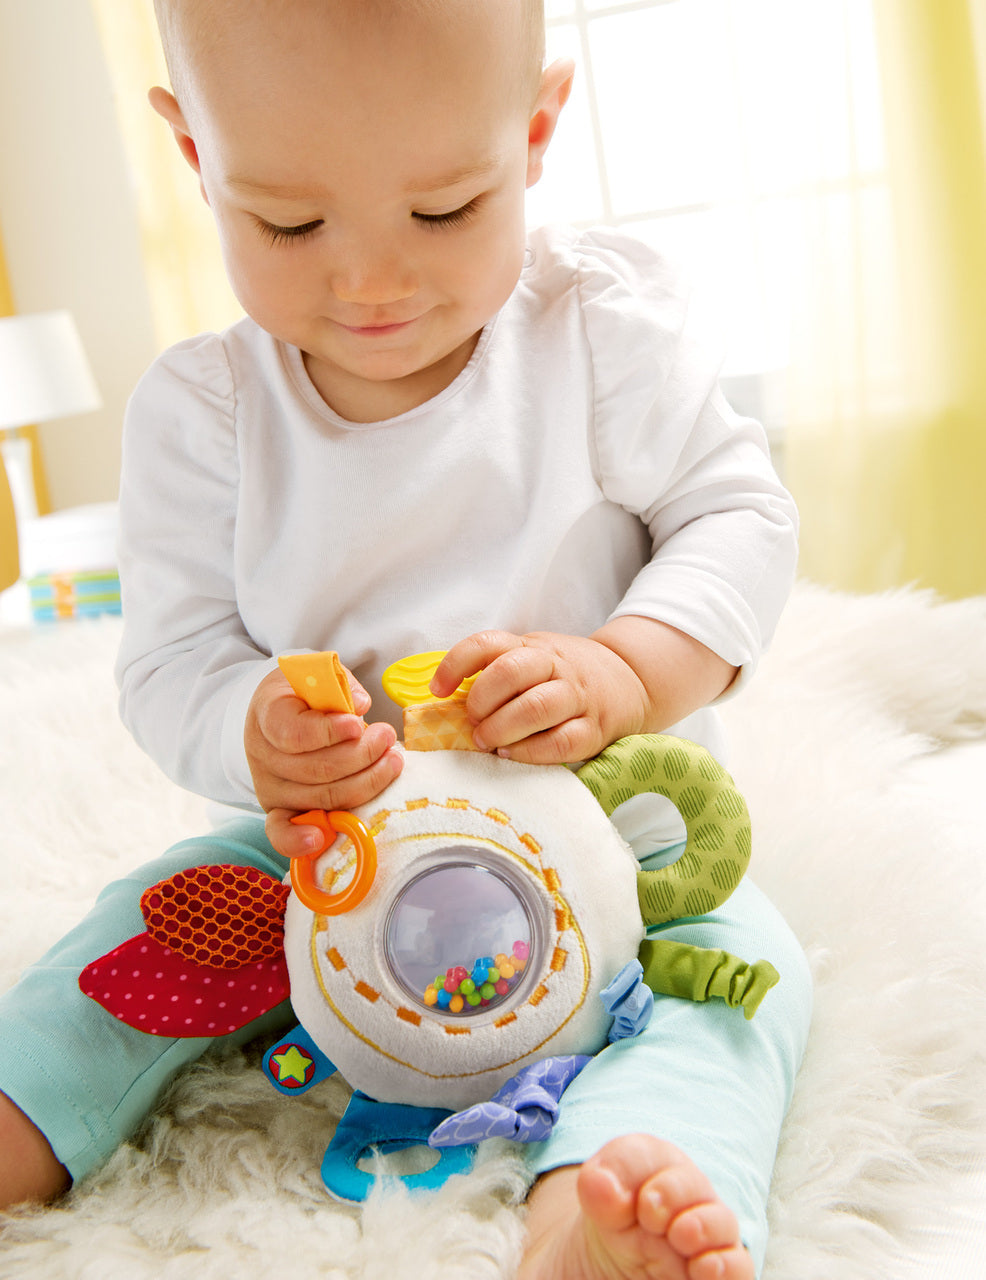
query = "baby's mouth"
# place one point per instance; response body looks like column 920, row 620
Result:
column 379, row 328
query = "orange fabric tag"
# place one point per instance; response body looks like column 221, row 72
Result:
column 318, row 679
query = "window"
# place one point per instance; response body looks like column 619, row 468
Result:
column 745, row 136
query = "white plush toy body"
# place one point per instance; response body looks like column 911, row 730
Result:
column 463, row 942
column 475, row 855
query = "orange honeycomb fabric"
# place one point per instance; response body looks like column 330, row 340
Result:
column 222, row 916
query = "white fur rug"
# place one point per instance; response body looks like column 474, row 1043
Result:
column 882, row 884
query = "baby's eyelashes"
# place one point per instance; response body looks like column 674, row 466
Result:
column 283, row 235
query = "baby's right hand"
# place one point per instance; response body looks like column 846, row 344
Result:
column 302, row 759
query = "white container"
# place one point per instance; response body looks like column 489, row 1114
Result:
column 76, row 540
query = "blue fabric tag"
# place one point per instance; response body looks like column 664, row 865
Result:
column 525, row 1109
column 629, row 1000
column 296, row 1063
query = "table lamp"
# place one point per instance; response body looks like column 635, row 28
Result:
column 44, row 374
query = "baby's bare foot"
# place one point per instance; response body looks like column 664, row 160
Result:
column 638, row 1210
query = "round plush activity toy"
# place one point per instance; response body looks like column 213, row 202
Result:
column 460, row 945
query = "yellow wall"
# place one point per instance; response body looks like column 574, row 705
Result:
column 8, row 527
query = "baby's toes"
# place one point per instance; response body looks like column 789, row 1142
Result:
column 679, row 1203
column 671, row 1191
column 724, row 1264
column 613, row 1179
column 703, row 1227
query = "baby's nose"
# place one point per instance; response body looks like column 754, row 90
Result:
column 372, row 278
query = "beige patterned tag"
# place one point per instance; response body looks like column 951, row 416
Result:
column 438, row 726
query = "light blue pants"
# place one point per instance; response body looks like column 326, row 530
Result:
column 700, row 1076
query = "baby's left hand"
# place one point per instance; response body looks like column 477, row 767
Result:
column 544, row 698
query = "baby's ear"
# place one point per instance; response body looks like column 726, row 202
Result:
column 556, row 85
column 166, row 105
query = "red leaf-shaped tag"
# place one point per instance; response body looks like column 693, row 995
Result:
column 152, row 988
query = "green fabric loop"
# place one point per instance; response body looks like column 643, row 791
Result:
column 701, row 973
column 717, row 822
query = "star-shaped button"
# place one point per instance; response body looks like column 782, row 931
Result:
column 292, row 1066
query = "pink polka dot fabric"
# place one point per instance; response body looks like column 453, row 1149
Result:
column 152, row 988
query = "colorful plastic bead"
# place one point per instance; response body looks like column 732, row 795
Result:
column 489, row 980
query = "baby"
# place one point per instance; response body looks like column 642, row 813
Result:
column 432, row 432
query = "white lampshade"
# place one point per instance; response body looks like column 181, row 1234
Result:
column 44, row 372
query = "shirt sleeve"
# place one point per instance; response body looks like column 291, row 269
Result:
column 670, row 449
column 187, row 667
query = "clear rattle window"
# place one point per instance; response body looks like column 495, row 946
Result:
column 459, row 936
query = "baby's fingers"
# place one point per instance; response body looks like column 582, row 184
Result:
column 566, row 743
column 288, row 725
column 470, row 656
column 503, row 718
column 289, row 840
column 346, row 793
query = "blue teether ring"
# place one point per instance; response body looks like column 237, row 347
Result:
column 386, row 1126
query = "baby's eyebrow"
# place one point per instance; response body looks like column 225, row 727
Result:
column 465, row 173
column 281, row 191
column 439, row 182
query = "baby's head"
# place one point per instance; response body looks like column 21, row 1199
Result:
column 192, row 30
column 366, row 162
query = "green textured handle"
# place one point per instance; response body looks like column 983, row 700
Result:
column 717, row 822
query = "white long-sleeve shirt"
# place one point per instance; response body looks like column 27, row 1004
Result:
column 583, row 465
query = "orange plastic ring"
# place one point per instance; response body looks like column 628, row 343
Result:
column 303, row 869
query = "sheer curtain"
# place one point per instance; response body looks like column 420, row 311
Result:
column 819, row 165
column 887, row 446
column 185, row 274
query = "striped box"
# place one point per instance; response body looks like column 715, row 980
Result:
column 74, row 595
